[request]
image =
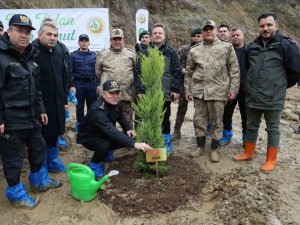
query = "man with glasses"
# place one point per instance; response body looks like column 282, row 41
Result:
column 22, row 114
column 213, row 77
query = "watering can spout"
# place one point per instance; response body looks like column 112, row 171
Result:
column 98, row 184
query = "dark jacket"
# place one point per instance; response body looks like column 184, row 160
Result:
column 83, row 65
column 55, row 83
column 141, row 49
column 20, row 96
column 171, row 79
column 100, row 121
column 241, row 56
column 271, row 69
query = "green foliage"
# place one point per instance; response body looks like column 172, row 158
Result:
column 149, row 110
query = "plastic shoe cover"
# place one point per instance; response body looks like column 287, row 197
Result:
column 40, row 181
column 72, row 98
column 18, row 196
column 67, row 115
column 226, row 139
column 55, row 164
column 168, row 143
column 62, row 143
column 97, row 169
column 109, row 156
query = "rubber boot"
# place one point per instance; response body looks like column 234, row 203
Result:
column 40, row 181
column 200, row 147
column 176, row 134
column 109, row 156
column 168, row 143
column 270, row 160
column 226, row 139
column 55, row 164
column 214, row 154
column 248, row 153
column 97, row 169
column 19, row 197
column 62, row 144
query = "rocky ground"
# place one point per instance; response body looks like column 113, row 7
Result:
column 194, row 192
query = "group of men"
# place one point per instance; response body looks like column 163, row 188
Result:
column 216, row 71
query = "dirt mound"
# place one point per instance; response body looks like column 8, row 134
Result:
column 131, row 195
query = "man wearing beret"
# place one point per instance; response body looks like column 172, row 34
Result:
column 98, row 133
column 142, row 46
column 22, row 112
column 183, row 52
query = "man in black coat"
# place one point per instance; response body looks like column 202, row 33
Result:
column 22, row 112
column 54, row 61
column 98, row 133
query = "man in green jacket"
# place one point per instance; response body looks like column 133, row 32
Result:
column 273, row 66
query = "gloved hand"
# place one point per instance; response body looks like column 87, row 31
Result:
column 72, row 98
column 67, row 115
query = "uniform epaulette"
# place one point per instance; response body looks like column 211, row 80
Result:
column 195, row 45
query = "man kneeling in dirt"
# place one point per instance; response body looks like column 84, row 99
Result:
column 97, row 131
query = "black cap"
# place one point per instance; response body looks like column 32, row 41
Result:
column 20, row 20
column 1, row 25
column 83, row 36
column 142, row 34
column 111, row 85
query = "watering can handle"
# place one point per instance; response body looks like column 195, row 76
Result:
column 77, row 165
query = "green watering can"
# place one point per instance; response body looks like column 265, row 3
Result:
column 84, row 187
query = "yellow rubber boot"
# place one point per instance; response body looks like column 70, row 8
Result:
column 248, row 153
column 271, row 159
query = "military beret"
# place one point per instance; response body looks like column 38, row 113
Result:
column 196, row 31
column 144, row 32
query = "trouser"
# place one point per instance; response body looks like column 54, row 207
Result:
column 127, row 110
column 166, row 125
column 85, row 92
column 51, row 142
column 229, row 109
column 100, row 146
column 272, row 118
column 181, row 111
column 12, row 152
column 211, row 111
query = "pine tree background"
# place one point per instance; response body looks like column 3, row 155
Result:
column 149, row 109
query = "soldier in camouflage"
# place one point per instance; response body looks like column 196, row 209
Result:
column 212, row 78
column 118, row 63
column 183, row 52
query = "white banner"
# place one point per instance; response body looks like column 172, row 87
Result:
column 141, row 21
column 71, row 23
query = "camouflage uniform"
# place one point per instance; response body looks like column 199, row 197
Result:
column 212, row 73
column 119, row 65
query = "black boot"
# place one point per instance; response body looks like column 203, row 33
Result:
column 214, row 154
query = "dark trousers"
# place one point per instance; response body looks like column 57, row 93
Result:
column 166, row 125
column 229, row 109
column 12, row 151
column 85, row 92
column 51, row 142
column 100, row 146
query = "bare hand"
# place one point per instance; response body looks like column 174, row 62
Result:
column 44, row 118
column 2, row 129
column 73, row 89
column 189, row 96
column 131, row 133
column 175, row 96
column 142, row 146
column 231, row 96
column 99, row 90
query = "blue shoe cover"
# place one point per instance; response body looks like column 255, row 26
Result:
column 62, row 143
column 55, row 164
column 109, row 156
column 18, row 196
column 76, row 127
column 72, row 98
column 40, row 181
column 226, row 139
column 97, row 169
column 168, row 143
